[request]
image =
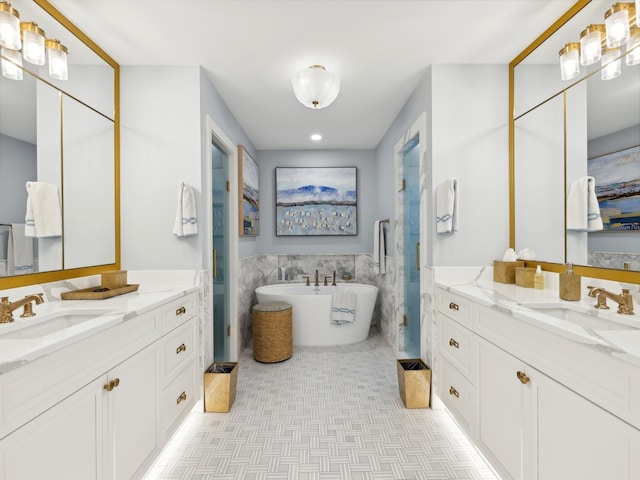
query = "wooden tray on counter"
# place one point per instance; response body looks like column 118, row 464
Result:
column 98, row 293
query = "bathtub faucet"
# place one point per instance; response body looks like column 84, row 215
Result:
column 315, row 278
column 333, row 284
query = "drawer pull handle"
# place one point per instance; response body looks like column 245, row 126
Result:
column 454, row 392
column 454, row 306
column 182, row 397
column 181, row 311
column 112, row 384
column 181, row 348
column 524, row 379
column 453, row 343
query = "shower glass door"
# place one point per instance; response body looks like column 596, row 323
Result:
column 411, row 229
column 220, row 196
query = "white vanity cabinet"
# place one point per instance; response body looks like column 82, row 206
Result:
column 104, row 416
column 539, row 407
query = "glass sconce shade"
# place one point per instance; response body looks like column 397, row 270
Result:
column 57, row 54
column 611, row 64
column 633, row 47
column 591, row 44
column 9, row 27
column 11, row 63
column 617, row 24
column 570, row 61
column 32, row 43
column 637, row 13
column 316, row 88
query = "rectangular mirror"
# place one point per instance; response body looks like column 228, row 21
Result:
column 590, row 117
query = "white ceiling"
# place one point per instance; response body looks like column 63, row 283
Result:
column 249, row 49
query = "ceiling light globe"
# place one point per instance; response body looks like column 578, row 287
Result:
column 315, row 87
column 9, row 27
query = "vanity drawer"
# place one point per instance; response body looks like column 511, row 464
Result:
column 457, row 394
column 455, row 307
column 179, row 396
column 179, row 348
column 177, row 312
column 456, row 344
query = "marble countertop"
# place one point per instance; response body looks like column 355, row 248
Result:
column 26, row 339
column 604, row 330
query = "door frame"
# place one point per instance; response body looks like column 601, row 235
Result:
column 418, row 129
column 215, row 133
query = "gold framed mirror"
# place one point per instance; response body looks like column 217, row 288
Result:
column 551, row 136
column 65, row 132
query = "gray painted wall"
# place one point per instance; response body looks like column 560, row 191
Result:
column 18, row 164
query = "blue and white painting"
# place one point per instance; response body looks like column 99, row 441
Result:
column 250, row 201
column 316, row 201
column 617, row 177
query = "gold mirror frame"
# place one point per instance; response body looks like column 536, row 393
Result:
column 594, row 272
column 35, row 278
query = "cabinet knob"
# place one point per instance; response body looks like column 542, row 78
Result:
column 453, row 343
column 112, row 384
column 454, row 306
column 524, row 379
column 182, row 397
column 181, row 311
column 454, row 392
column 181, row 348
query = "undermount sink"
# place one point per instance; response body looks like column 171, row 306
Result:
column 582, row 316
column 33, row 327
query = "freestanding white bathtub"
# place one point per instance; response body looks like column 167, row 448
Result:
column 312, row 324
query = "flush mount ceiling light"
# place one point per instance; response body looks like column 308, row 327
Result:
column 603, row 42
column 315, row 87
column 316, row 137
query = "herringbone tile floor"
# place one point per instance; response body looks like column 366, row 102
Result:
column 325, row 414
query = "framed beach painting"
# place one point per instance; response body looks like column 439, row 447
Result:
column 316, row 201
column 617, row 177
column 249, row 194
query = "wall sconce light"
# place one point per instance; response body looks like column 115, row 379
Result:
column 57, row 54
column 603, row 41
column 32, row 43
column 570, row 61
column 610, row 63
column 633, row 47
column 315, row 87
column 9, row 27
column 11, row 63
column 591, row 44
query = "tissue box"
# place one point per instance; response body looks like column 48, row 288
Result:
column 505, row 272
column 113, row 280
column 524, row 276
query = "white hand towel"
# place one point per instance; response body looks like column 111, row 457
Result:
column 186, row 222
column 43, row 217
column 19, row 251
column 343, row 309
column 379, row 260
column 583, row 211
column 447, row 203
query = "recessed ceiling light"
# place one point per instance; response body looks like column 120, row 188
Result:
column 316, row 137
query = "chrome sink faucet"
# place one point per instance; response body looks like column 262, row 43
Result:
column 7, row 307
column 624, row 300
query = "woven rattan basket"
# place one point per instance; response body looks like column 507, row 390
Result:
column 272, row 332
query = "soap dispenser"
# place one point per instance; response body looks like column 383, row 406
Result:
column 570, row 284
column 538, row 279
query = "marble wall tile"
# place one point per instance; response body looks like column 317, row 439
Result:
column 614, row 260
column 302, row 265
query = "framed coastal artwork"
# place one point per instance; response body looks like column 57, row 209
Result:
column 617, row 177
column 316, row 201
column 249, row 198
